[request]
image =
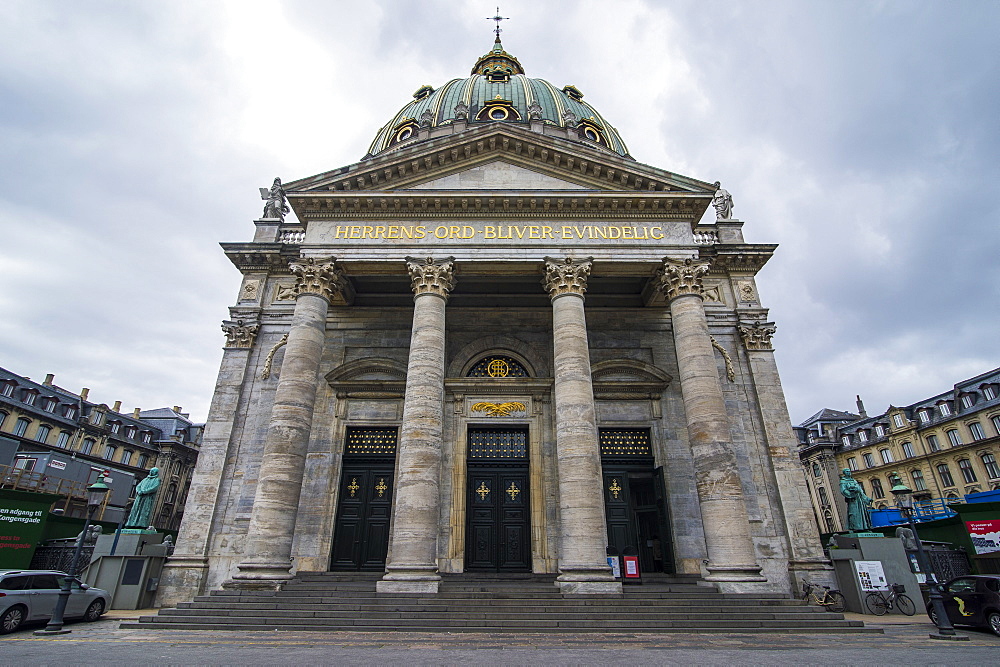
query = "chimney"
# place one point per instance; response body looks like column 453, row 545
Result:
column 84, row 393
column 178, row 409
column 135, row 413
column 861, row 408
column 49, row 378
column 118, row 406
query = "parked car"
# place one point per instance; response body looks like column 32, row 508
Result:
column 972, row 600
column 30, row 595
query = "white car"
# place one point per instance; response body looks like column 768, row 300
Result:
column 30, row 595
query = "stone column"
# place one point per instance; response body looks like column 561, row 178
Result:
column 185, row 572
column 583, row 565
column 724, row 515
column 412, row 565
column 267, row 555
column 805, row 558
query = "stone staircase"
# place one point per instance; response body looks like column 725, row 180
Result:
column 485, row 603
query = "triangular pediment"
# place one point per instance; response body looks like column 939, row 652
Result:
column 567, row 163
column 498, row 174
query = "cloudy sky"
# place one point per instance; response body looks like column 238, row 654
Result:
column 863, row 137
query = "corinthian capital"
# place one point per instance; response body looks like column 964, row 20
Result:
column 430, row 277
column 240, row 333
column 677, row 278
column 321, row 277
column 757, row 335
column 566, row 276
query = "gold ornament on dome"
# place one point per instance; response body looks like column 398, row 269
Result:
column 499, row 409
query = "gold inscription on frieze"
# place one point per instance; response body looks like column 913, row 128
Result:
column 499, row 232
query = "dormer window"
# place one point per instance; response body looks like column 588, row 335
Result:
column 925, row 416
column 591, row 132
column 405, row 131
column 863, row 436
column 7, row 388
column 846, row 440
column 28, row 396
column 944, row 409
column 897, row 420
column 968, row 400
column 498, row 109
column 573, row 93
column 879, row 431
column 989, row 391
column 498, row 77
column 422, row 92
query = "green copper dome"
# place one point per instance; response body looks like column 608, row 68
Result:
column 498, row 92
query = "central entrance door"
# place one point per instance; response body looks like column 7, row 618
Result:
column 498, row 530
column 364, row 507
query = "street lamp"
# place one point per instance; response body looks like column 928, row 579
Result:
column 904, row 501
column 95, row 496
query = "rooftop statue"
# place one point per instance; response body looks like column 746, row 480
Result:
column 858, row 503
column 723, row 203
column 145, row 496
column 276, row 206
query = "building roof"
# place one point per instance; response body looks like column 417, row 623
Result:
column 497, row 77
column 826, row 414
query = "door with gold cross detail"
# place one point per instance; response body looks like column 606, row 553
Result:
column 498, row 535
column 364, row 503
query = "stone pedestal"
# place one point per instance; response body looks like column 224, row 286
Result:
column 412, row 562
column 583, row 566
column 267, row 556
column 720, row 493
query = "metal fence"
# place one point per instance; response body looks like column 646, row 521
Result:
column 59, row 557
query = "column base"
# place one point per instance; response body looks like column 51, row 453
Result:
column 588, row 581
column 409, row 579
column 260, row 576
column 734, row 573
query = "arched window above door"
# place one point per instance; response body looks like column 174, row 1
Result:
column 498, row 366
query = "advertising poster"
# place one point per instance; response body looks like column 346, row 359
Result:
column 21, row 522
column 985, row 535
column 871, row 575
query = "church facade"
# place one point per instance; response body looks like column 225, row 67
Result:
column 497, row 344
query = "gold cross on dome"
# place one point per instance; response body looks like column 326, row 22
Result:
column 498, row 18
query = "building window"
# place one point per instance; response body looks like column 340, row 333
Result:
column 863, row 436
column 968, row 401
column 897, row 419
column 932, row 442
column 968, row 474
column 143, row 460
column 817, row 471
column 869, row 460
column 886, row 455
column 846, row 440
column 945, row 409
column 42, row 434
column 977, row 431
column 127, row 456
column 115, row 426
column 109, row 452
column 954, row 438
column 7, row 389
column 88, row 446
column 3, row 418
column 50, row 405
column 907, row 449
column 130, row 432
column 852, row 463
column 21, row 426
column 879, row 430
column 945, row 474
column 147, row 437
column 63, row 440
column 918, row 481
column 828, row 519
column 27, row 465
column 171, row 494
column 990, row 462
column 69, row 411
column 823, row 497
column 96, row 418
column 877, row 491
column 996, row 423
column 990, row 392
column 925, row 416
column 28, row 396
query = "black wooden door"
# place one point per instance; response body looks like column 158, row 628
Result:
column 618, row 512
column 498, row 535
column 361, row 535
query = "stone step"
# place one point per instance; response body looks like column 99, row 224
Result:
column 382, row 603
column 527, row 615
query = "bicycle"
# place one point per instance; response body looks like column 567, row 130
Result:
column 878, row 603
column 830, row 598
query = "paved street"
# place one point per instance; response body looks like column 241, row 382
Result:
column 904, row 642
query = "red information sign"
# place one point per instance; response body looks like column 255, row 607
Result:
column 631, row 567
column 985, row 535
